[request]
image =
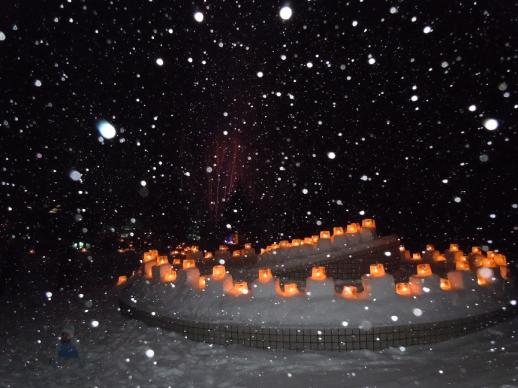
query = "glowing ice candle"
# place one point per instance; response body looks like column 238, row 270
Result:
column 290, row 289
column 445, row 284
column 350, row 292
column 318, row 273
column 424, row 270
column 403, row 289
column 218, row 272
column 265, row 275
column 188, row 263
column 377, row 270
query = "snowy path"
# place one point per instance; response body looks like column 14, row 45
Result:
column 114, row 355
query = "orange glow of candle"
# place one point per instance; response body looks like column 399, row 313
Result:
column 424, row 270
column 202, row 283
column 169, row 277
column 338, row 231
column 350, row 292
column 445, row 284
column 240, row 288
column 218, row 272
column 188, row 263
column 377, row 270
column 352, row 228
column 403, row 289
column 325, row 235
column 318, row 273
column 461, row 265
column 368, row 223
column 265, row 275
column 290, row 289
column 296, row 242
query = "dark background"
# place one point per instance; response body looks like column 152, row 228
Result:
column 96, row 60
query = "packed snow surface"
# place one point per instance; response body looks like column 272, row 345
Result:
column 126, row 353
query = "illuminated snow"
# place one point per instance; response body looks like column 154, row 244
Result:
column 106, row 130
column 198, row 16
column 491, row 124
column 285, row 13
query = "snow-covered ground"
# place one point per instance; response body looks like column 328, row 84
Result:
column 116, row 353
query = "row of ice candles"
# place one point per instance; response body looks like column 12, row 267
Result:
column 353, row 228
column 317, row 274
column 153, row 254
column 490, row 260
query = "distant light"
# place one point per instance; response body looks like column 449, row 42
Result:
column 372, row 61
column 198, row 16
column 414, row 98
column 143, row 183
column 445, row 181
column 228, row 226
column 159, row 61
column 48, row 294
column 285, row 13
column 331, row 155
column 260, row 74
column 394, row 318
column 457, row 199
column 393, row 10
column 2, row 36
column 388, row 253
column 491, row 124
column 305, row 191
column 106, row 129
column 209, row 169
column 150, row 353
column 221, row 261
column 427, row 29
column 37, row 83
column 472, row 108
column 94, row 323
column 345, row 323
column 492, row 215
column 309, row 65
column 355, row 23
column 417, row 312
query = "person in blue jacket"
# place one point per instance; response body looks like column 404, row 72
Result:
column 66, row 349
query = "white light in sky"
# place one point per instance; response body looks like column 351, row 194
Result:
column 285, row 13
column 309, row 65
column 106, row 129
column 427, row 29
column 260, row 74
column 143, row 183
column 491, row 124
column 94, row 323
column 150, row 353
column 198, row 16
column 414, row 98
column 331, row 155
column 159, row 61
column 472, row 108
column 372, row 61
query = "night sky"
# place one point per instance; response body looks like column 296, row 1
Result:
column 247, row 122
